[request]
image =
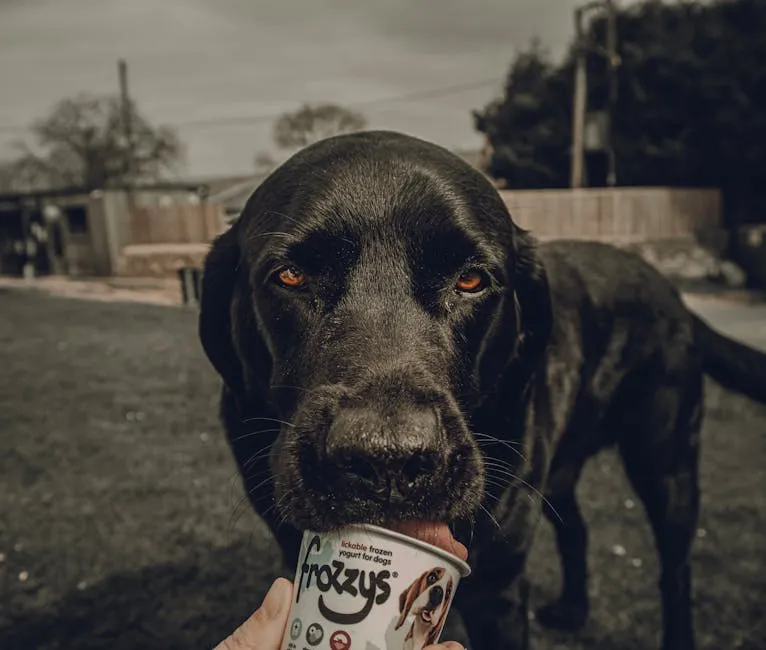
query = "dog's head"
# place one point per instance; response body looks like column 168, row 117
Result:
column 372, row 295
column 428, row 599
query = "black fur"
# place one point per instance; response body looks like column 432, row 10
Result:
column 377, row 392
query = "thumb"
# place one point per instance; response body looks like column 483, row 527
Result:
column 266, row 627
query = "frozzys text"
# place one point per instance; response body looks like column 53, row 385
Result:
column 371, row 585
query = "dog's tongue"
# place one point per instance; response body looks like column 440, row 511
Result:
column 433, row 532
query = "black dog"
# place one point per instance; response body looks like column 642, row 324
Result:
column 380, row 324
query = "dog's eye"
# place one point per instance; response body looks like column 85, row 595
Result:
column 473, row 281
column 432, row 577
column 290, row 277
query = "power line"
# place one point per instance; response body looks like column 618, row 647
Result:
column 418, row 95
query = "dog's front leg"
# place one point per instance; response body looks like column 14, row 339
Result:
column 494, row 600
column 494, row 603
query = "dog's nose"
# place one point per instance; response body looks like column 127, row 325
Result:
column 374, row 453
column 436, row 596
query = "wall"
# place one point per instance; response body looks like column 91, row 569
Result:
column 176, row 224
column 618, row 215
column 87, row 252
column 153, row 217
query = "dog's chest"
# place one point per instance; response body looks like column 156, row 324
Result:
column 562, row 383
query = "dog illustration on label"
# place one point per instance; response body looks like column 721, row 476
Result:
column 428, row 600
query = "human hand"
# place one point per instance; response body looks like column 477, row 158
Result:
column 266, row 627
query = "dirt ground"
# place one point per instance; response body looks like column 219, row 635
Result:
column 154, row 291
column 123, row 526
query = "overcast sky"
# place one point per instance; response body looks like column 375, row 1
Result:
column 197, row 60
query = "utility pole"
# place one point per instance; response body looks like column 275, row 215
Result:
column 580, row 102
column 613, row 63
column 127, row 126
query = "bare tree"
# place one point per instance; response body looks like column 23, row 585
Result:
column 8, row 176
column 23, row 172
column 309, row 124
column 81, row 144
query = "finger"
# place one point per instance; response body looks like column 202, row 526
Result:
column 266, row 627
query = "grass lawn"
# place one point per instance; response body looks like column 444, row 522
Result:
column 123, row 526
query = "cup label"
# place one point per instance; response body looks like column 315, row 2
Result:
column 360, row 590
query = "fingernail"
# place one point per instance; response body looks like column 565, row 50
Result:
column 277, row 599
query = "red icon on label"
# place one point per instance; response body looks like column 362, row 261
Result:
column 340, row 640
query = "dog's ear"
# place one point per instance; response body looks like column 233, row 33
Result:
column 533, row 308
column 407, row 598
column 433, row 633
column 216, row 325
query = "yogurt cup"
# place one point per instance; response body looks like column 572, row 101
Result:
column 369, row 588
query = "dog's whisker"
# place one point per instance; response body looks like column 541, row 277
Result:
column 543, row 498
column 494, row 465
column 497, row 482
column 259, row 456
column 497, row 462
column 486, row 444
column 255, row 475
column 487, row 440
column 282, row 514
column 491, row 498
column 255, row 432
column 277, row 505
column 235, row 480
column 262, row 419
column 308, row 391
column 489, row 514
column 488, row 496
column 258, row 486
column 492, row 438
column 237, row 512
column 490, row 456
column 489, row 459
column 516, row 479
column 270, row 508
column 499, row 471
column 263, row 451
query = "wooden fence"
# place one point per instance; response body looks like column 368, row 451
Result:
column 619, row 215
column 179, row 223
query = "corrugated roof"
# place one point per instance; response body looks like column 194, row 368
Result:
column 233, row 198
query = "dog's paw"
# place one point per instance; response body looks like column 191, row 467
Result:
column 561, row 615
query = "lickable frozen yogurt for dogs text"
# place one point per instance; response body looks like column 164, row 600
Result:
column 369, row 588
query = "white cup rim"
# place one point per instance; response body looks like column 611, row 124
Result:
column 459, row 564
